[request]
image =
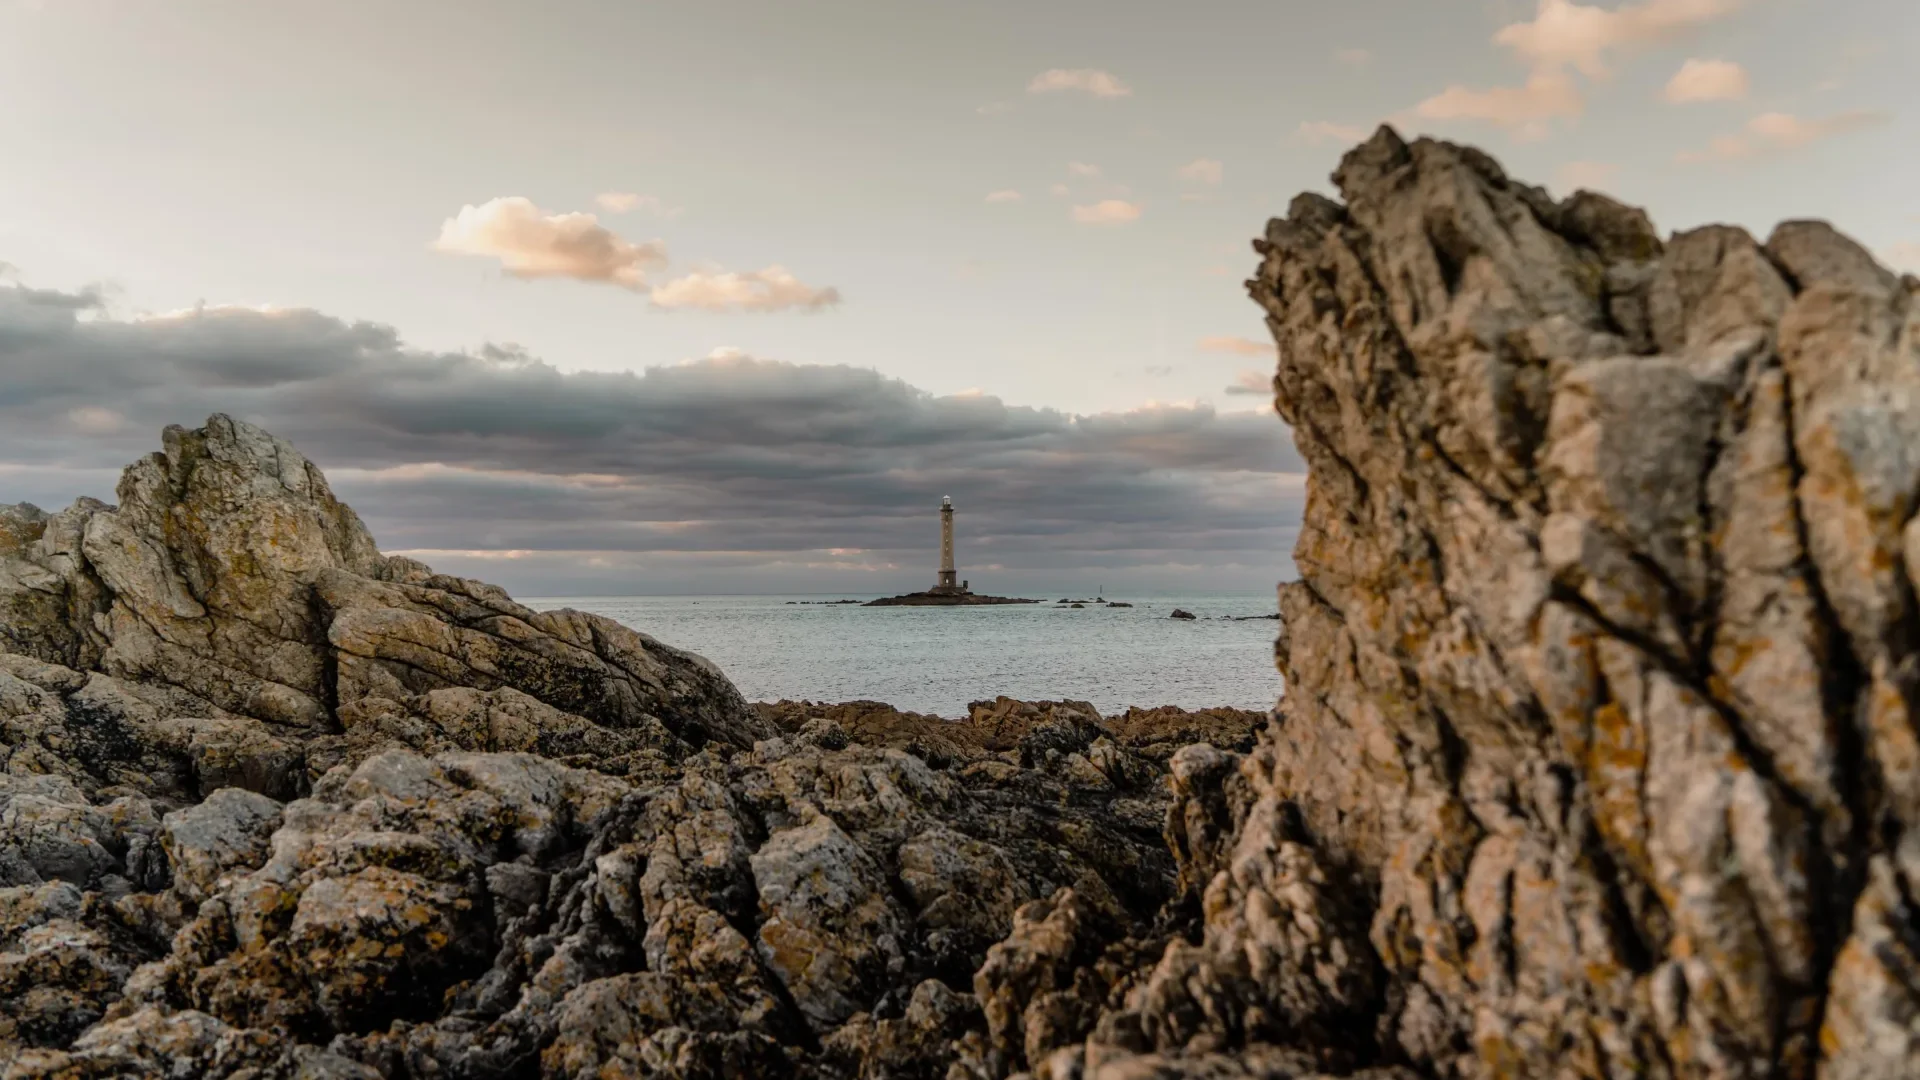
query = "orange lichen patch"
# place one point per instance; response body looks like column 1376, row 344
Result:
column 1616, row 765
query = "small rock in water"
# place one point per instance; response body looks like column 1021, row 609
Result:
column 1182, row 613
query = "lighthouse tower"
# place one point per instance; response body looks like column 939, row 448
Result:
column 949, row 577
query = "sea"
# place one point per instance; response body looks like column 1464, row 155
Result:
column 938, row 660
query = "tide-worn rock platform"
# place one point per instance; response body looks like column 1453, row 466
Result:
column 1598, row 756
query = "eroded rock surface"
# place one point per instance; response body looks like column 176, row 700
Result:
column 1597, row 757
column 273, row 804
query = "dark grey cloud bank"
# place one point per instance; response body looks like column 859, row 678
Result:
column 724, row 474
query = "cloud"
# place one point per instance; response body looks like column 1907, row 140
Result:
column 1707, row 80
column 1590, row 175
column 1107, row 212
column 622, row 202
column 1252, row 381
column 1203, row 171
column 1564, row 34
column 1003, row 196
column 1528, row 110
column 1238, row 346
column 1092, row 81
column 1059, row 189
column 532, row 244
column 1565, row 37
column 1778, row 133
column 727, row 472
column 94, row 420
column 772, row 289
column 1354, row 57
column 1322, row 131
column 1084, row 170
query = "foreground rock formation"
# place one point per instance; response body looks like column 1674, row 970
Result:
column 1598, row 756
column 275, row 804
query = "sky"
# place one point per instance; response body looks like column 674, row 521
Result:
column 665, row 297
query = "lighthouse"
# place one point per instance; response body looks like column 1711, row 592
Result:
column 949, row 577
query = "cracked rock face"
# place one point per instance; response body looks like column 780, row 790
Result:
column 1599, row 667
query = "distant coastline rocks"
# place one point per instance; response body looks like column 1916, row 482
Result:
column 1182, row 613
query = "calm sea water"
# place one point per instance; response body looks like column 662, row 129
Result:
column 936, row 660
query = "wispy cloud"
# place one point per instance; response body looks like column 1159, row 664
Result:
column 1203, row 171
column 1528, row 109
column 532, row 244
column 1778, row 133
column 622, row 202
column 1238, row 346
column 772, row 289
column 1003, row 196
column 1564, row 34
column 1091, row 81
column 1084, row 170
column 1324, row 131
column 1107, row 212
column 1707, row 80
column 1353, row 57
column 1251, row 381
column 1591, row 175
column 1565, row 37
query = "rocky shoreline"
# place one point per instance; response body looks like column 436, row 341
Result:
column 1597, row 758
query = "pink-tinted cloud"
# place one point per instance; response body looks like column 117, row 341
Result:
column 1707, row 80
column 1564, row 34
column 532, row 244
column 623, row 202
column 1528, row 110
column 1090, row 81
column 1252, row 381
column 1591, row 175
column 1777, row 133
column 1107, row 212
column 1238, row 346
column 772, row 289
column 1323, row 131
column 1204, row 171
column 1562, row 38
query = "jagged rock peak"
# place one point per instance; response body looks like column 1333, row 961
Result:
column 230, row 586
column 1600, row 667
